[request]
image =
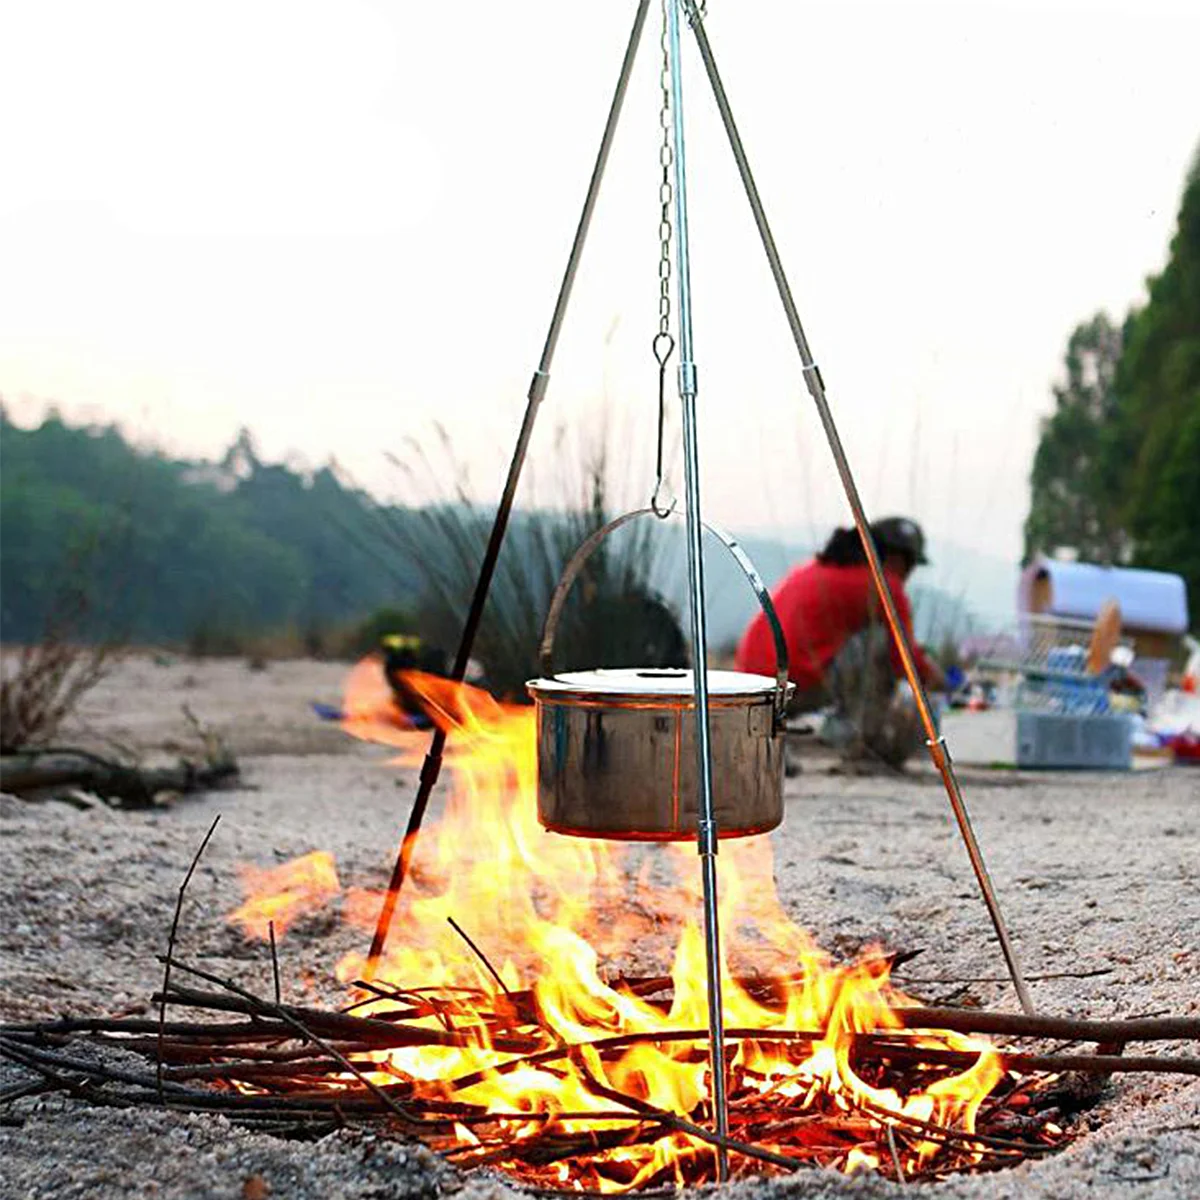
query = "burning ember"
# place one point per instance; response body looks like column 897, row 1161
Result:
column 552, row 1055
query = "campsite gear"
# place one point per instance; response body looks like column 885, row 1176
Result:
column 1153, row 607
column 706, row 830
column 616, row 748
column 617, row 754
column 1076, row 741
column 1065, row 710
column 1190, row 682
column 1065, row 717
column 1186, row 747
column 1068, row 686
column 1106, row 638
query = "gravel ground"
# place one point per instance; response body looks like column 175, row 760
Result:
column 1096, row 873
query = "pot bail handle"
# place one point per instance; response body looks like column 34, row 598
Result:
column 588, row 547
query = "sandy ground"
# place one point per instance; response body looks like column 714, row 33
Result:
column 1096, row 872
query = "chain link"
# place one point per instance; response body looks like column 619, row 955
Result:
column 664, row 343
column 666, row 157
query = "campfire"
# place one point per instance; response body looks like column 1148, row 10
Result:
column 541, row 1012
column 525, row 957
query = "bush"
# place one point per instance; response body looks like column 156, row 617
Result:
column 41, row 683
column 614, row 616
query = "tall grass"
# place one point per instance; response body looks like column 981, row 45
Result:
column 613, row 617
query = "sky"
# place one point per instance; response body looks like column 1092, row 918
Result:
column 338, row 223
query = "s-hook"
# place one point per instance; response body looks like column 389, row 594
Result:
column 664, row 346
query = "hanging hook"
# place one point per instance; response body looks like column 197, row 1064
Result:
column 663, row 347
column 664, row 344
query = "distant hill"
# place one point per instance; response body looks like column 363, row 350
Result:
column 203, row 553
column 151, row 549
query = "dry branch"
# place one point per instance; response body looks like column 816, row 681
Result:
column 309, row 1071
column 162, row 1006
column 973, row 1020
column 40, row 771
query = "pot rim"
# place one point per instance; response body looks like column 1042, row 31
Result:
column 650, row 686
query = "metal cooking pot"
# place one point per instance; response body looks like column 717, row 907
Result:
column 617, row 750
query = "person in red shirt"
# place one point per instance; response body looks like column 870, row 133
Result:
column 840, row 651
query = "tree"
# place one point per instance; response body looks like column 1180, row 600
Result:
column 1159, row 385
column 176, row 551
column 1075, row 497
column 1117, row 469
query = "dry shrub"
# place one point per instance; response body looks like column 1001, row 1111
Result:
column 41, row 683
column 615, row 616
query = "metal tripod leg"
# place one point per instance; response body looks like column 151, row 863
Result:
column 812, row 378
column 432, row 766
column 706, row 832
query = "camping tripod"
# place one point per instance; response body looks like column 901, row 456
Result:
column 692, row 12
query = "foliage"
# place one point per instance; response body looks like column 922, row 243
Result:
column 1158, row 434
column 613, row 616
column 211, row 554
column 1115, row 474
column 1073, row 498
column 228, row 557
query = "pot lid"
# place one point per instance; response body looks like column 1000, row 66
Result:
column 653, row 682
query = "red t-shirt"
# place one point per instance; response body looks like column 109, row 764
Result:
column 819, row 607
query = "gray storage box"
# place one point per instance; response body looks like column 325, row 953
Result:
column 1100, row 741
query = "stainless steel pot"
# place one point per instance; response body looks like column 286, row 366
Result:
column 616, row 748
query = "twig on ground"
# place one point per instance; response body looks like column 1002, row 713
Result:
column 166, row 987
column 282, row 1013
column 966, row 1020
column 917, row 979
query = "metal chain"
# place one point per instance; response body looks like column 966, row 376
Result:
column 666, row 157
column 664, row 343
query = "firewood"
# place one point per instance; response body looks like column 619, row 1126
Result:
column 35, row 773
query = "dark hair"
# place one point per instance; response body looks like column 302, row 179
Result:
column 844, row 549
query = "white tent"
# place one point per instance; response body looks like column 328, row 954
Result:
column 1151, row 602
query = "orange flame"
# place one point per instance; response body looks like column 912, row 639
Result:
column 286, row 893
column 369, row 709
column 560, row 919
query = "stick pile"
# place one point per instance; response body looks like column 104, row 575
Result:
column 303, row 1072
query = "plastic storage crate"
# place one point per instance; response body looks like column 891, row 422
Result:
column 1063, row 715
column 1100, row 741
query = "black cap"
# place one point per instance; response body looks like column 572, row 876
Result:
column 901, row 536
